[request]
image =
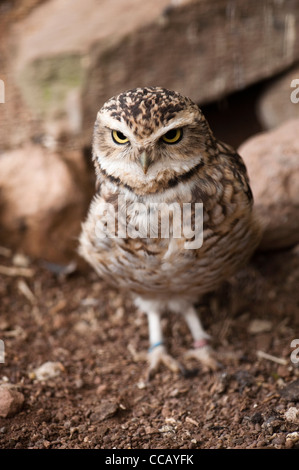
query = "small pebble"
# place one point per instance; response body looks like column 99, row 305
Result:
column 279, row 440
column 291, row 439
column 166, row 428
column 291, row 391
column 141, row 384
column 259, row 326
column 191, row 421
column 21, row 260
column 104, row 411
column 46, row 444
column 11, row 401
column 149, row 430
column 257, row 418
column 48, row 370
column 292, row 415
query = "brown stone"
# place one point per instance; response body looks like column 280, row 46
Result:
column 43, row 202
column 272, row 160
column 291, row 391
column 104, row 411
column 11, row 401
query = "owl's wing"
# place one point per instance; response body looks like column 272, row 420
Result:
column 237, row 167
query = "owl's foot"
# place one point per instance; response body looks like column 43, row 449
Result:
column 157, row 356
column 203, row 353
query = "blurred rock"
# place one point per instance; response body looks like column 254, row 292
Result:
column 291, row 439
column 65, row 69
column 258, row 326
column 291, row 391
column 105, row 410
column 11, row 401
column 53, row 43
column 280, row 100
column 292, row 415
column 43, row 201
column 48, row 370
column 202, row 49
column 272, row 160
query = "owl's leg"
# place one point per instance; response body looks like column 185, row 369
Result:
column 201, row 350
column 157, row 351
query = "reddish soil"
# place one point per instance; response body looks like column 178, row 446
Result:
column 101, row 398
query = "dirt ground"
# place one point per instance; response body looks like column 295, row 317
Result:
column 100, row 397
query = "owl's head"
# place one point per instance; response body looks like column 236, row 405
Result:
column 148, row 139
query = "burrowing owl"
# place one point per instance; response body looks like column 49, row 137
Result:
column 155, row 155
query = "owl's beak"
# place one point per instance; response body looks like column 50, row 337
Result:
column 145, row 161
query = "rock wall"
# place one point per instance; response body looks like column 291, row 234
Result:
column 66, row 62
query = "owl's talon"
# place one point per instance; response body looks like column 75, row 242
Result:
column 158, row 356
column 204, row 354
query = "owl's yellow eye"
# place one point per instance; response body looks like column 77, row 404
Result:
column 173, row 136
column 119, row 137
